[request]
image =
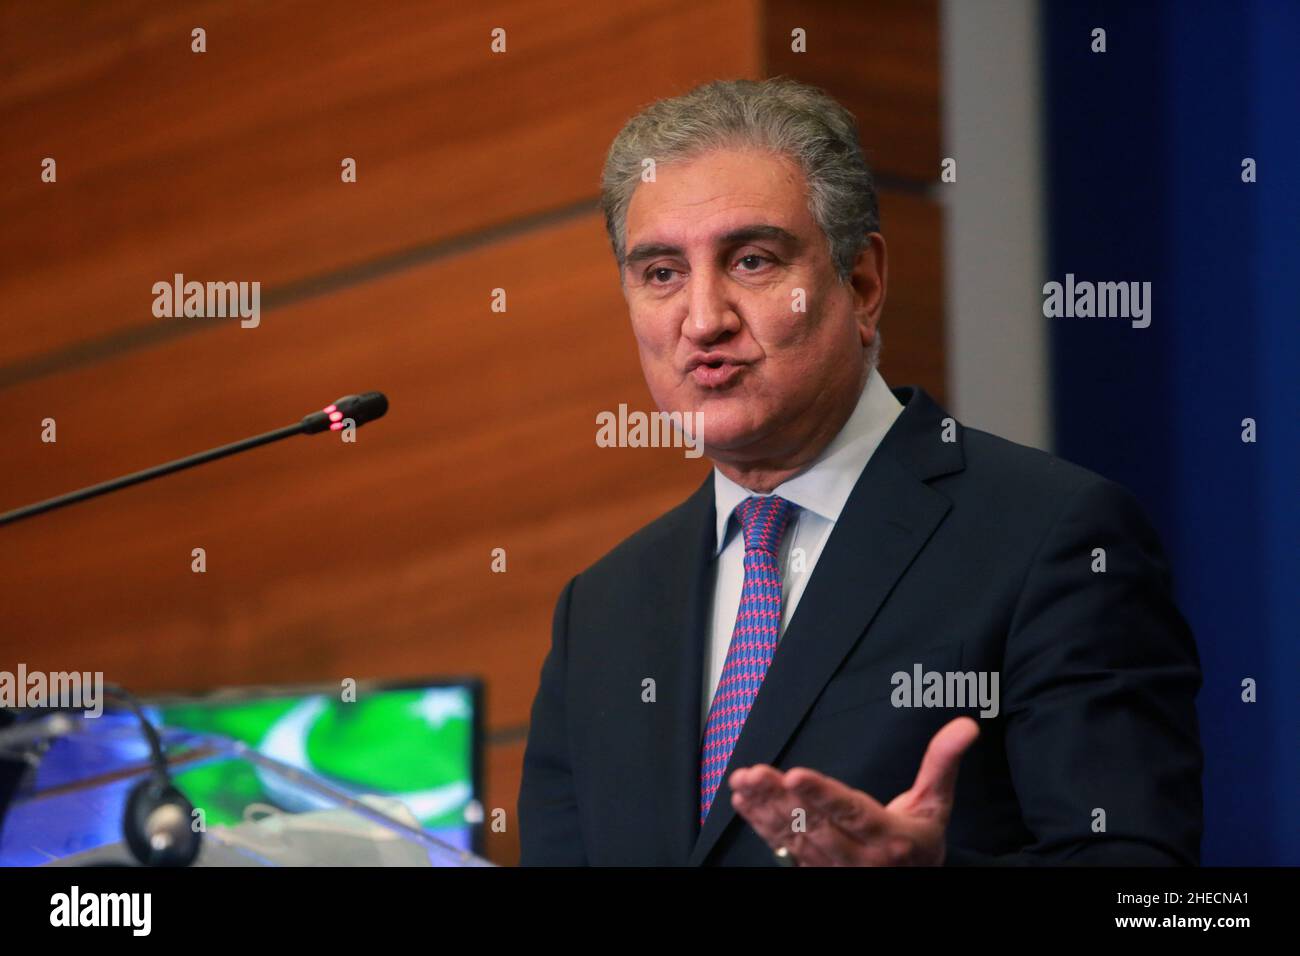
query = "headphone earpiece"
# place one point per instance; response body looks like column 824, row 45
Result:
column 158, row 824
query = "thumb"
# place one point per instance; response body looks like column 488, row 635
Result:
column 936, row 781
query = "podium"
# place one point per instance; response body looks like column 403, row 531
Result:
column 260, row 811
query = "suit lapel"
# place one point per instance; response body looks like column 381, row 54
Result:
column 671, row 770
column 886, row 521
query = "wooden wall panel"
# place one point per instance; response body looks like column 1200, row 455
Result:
column 226, row 165
column 912, row 326
column 504, row 772
column 881, row 60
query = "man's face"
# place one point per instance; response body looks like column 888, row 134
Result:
column 717, row 248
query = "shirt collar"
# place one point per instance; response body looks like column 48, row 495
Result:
column 825, row 485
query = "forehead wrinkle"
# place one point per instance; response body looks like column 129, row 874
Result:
column 757, row 230
column 747, row 205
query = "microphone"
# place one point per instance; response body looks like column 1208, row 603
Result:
column 360, row 408
column 350, row 409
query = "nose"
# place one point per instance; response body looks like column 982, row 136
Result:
column 711, row 315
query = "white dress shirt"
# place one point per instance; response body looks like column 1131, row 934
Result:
column 820, row 491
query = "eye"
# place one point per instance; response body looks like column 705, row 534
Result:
column 756, row 260
column 659, row 275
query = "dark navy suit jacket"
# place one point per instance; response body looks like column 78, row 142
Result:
column 968, row 555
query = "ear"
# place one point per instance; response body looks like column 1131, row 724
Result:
column 868, row 281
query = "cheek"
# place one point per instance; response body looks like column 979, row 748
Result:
column 824, row 326
column 801, row 346
column 656, row 337
column 782, row 332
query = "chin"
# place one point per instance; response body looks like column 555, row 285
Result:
column 727, row 432
column 729, row 420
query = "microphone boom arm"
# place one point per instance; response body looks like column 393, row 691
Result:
column 365, row 407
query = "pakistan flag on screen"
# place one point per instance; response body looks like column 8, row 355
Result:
column 410, row 744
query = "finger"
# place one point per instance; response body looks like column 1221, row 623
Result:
column 755, row 778
column 758, row 795
column 770, row 822
column 936, row 781
column 757, row 783
column 827, row 798
column 849, row 827
column 825, row 844
column 810, row 852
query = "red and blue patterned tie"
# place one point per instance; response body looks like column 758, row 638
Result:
column 753, row 639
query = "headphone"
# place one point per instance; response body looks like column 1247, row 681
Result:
column 158, row 822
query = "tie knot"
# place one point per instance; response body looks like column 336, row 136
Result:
column 763, row 520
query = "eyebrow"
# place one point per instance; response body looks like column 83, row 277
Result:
column 739, row 236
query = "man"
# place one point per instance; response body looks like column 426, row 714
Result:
column 863, row 597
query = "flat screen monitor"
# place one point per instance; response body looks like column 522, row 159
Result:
column 420, row 742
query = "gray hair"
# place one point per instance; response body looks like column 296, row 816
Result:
column 779, row 114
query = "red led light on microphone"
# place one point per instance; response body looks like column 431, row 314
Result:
column 336, row 416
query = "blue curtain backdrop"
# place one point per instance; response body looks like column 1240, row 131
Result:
column 1143, row 149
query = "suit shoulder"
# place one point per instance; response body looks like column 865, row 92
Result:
column 1034, row 487
column 1025, row 470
